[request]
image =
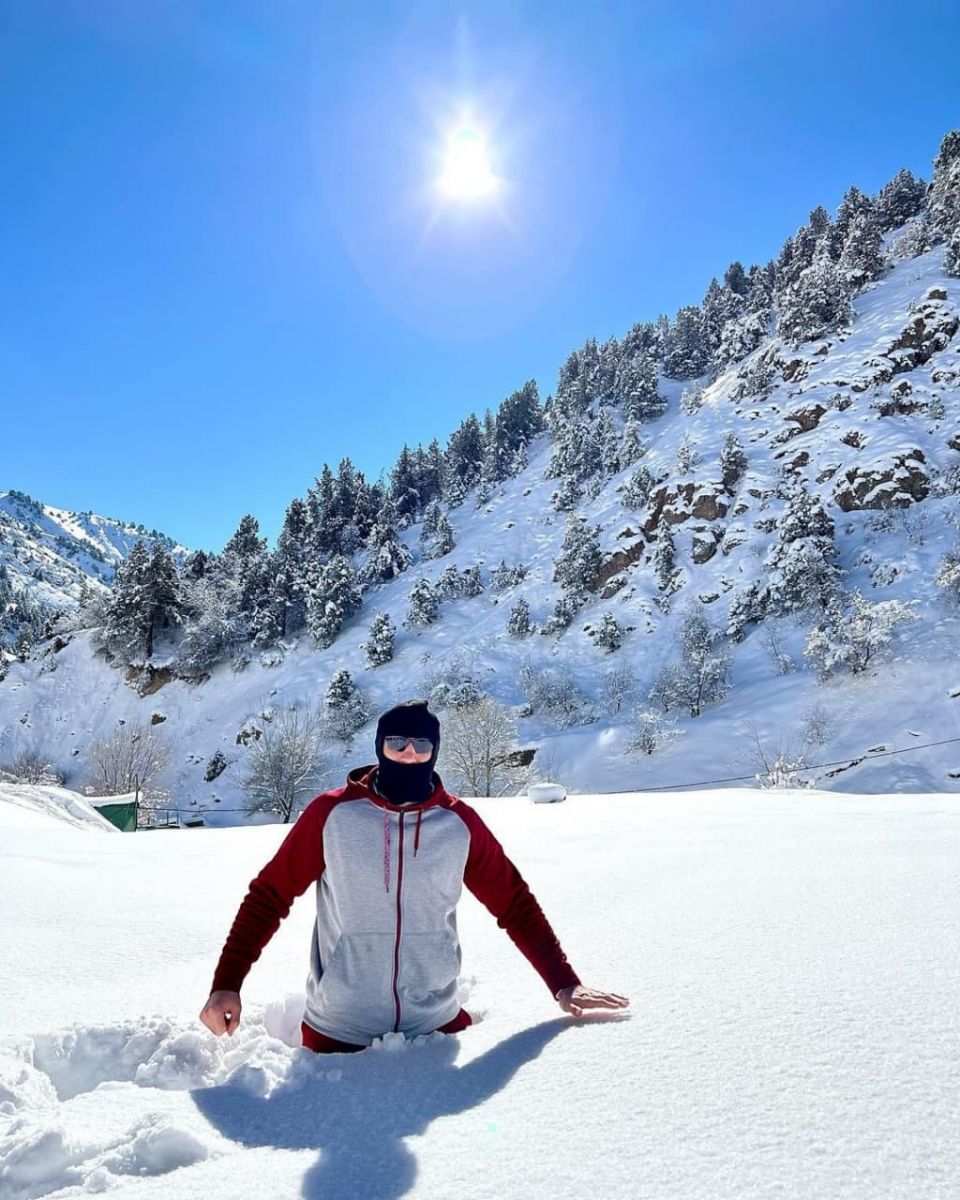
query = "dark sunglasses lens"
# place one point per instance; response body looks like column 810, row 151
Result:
column 399, row 744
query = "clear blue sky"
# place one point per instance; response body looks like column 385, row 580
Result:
column 221, row 264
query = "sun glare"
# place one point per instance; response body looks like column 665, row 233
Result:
column 467, row 174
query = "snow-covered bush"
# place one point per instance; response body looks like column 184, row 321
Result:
column 479, row 750
column 453, row 686
column 650, row 733
column 423, row 604
column 851, row 638
column 617, row 689
column 699, row 675
column 504, row 577
column 553, row 693
column 32, row 766
column 609, row 634
column 948, row 573
column 518, row 623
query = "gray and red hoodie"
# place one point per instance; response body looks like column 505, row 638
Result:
column 385, row 954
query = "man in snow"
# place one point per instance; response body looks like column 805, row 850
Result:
column 389, row 854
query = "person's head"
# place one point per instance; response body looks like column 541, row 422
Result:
column 407, row 745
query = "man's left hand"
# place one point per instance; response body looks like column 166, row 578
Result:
column 577, row 1000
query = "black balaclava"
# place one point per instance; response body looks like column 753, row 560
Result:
column 407, row 783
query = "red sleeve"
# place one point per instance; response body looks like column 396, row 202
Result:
column 498, row 885
column 297, row 864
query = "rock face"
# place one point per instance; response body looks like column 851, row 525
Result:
column 896, row 486
column 675, row 505
column 806, row 418
column 930, row 330
column 618, row 561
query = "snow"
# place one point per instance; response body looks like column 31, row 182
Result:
column 791, row 959
column 24, row 806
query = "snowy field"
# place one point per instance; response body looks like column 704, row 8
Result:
column 792, row 959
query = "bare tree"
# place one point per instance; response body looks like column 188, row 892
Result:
column 129, row 759
column 479, row 749
column 32, row 766
column 782, row 765
column 286, row 763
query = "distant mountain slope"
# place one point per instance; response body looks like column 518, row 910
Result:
column 51, row 552
column 866, row 421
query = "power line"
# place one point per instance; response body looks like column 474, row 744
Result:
column 669, row 787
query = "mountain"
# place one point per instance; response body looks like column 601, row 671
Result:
column 724, row 549
column 51, row 553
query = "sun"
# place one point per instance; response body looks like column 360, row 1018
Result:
column 467, row 174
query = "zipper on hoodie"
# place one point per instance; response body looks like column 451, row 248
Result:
column 396, row 944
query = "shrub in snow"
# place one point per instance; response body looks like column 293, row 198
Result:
column 32, row 766
column 216, row 765
column 816, row 726
column 518, row 623
column 452, row 686
column 286, row 765
column 699, row 675
column 129, row 759
column 471, row 581
column 691, row 399
column 380, row 642
column 782, row 765
column 609, row 634
column 553, row 693
column 733, row 461
column 850, row 638
column 948, row 573
column 650, row 733
column 617, row 689
column 772, row 640
column 479, row 750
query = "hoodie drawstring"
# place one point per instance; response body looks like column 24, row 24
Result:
column 386, row 850
column 386, row 844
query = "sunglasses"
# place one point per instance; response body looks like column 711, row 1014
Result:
column 398, row 744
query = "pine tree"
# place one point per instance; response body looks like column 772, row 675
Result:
column 632, row 446
column 579, row 560
column 899, row 200
column 333, row 600
column 817, row 304
column 404, row 488
column 862, row 259
column 518, row 623
column 733, row 461
column 381, row 640
column 639, row 486
column 664, row 561
column 608, row 443
column 389, row 557
column 289, row 573
column 687, row 353
column 801, row 566
column 471, row 582
column 450, row 585
column 423, row 604
column 163, row 598
column 345, row 709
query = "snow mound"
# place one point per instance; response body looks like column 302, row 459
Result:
column 29, row 806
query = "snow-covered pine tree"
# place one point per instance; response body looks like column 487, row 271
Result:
column 801, row 565
column 686, row 354
column 381, row 640
column 565, row 498
column 163, row 597
column 899, row 200
column 423, row 604
column 471, row 581
column 688, row 456
column 664, row 560
column 691, row 399
column 389, row 557
column 125, row 615
column 631, row 445
column 733, row 461
column 462, row 460
column 862, row 259
column 637, row 389
column 579, row 560
column 289, row 571
column 450, row 585
column 518, row 623
column 334, row 599
column 818, row 303
column 943, row 201
column 405, row 488
column 608, row 442
column 345, row 708
column 637, row 491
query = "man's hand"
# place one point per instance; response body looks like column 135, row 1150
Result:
column 577, row 999
column 221, row 1013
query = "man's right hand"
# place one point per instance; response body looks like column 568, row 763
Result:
column 221, row 1013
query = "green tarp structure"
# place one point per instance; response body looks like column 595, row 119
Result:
column 124, row 816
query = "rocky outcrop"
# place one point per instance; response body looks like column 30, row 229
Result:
column 674, row 505
column 896, row 486
column 618, row 561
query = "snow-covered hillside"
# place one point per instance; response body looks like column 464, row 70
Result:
column 39, row 807
column 790, row 959
column 51, row 553
column 863, row 420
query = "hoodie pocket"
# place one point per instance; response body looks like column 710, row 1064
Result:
column 359, row 971
column 429, row 967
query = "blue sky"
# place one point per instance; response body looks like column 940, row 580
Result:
column 223, row 264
